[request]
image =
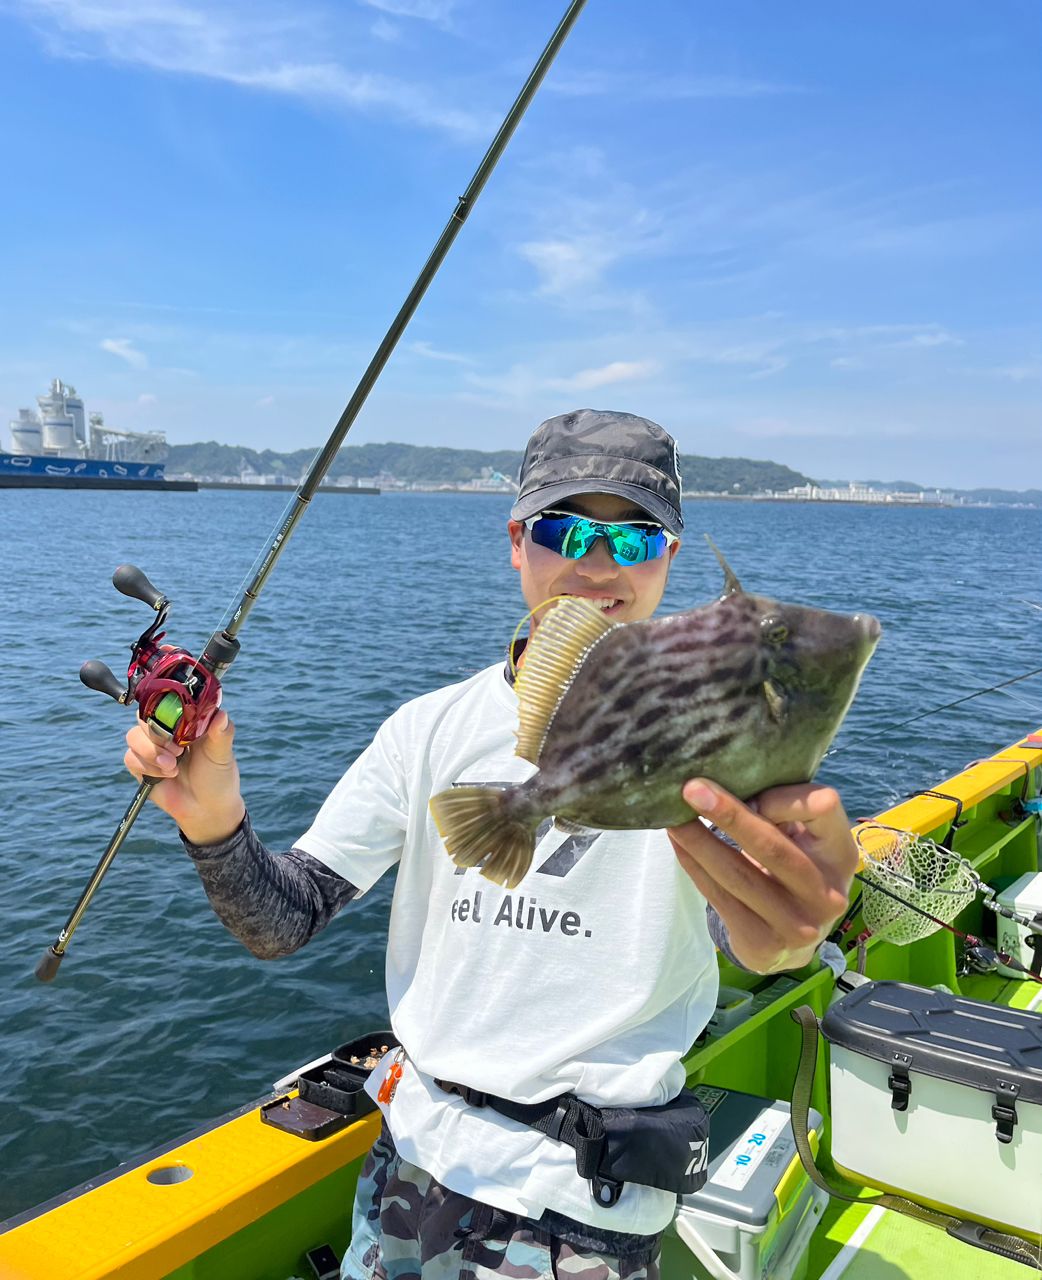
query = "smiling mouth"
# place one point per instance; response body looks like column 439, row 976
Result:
column 606, row 604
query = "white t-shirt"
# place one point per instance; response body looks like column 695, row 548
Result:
column 593, row 976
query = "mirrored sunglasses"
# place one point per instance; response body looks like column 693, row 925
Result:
column 571, row 536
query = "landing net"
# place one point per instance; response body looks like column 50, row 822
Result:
column 906, row 879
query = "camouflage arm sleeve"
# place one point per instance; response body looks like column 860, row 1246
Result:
column 718, row 932
column 272, row 902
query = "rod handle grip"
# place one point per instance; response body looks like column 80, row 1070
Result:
column 47, row 969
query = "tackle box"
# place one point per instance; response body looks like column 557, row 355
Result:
column 939, row 1098
column 732, row 1008
column 757, row 1209
column 339, row 1081
column 1024, row 896
column 330, row 1091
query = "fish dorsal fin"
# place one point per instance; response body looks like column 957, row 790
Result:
column 731, row 584
column 566, row 634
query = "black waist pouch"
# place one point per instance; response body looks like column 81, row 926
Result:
column 665, row 1147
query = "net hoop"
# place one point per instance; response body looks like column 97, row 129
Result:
column 905, row 875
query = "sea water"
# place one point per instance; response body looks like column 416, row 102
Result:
column 159, row 1020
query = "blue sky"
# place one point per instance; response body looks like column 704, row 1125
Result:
column 803, row 231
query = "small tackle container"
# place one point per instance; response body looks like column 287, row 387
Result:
column 939, row 1098
column 1024, row 896
column 330, row 1091
column 758, row 1209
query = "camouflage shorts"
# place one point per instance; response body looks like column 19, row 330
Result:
column 407, row 1226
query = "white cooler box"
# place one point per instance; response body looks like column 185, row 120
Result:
column 757, row 1209
column 1024, row 896
column 939, row 1098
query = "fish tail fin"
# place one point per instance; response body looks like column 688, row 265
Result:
column 481, row 825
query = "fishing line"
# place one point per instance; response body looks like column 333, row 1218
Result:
column 882, row 733
column 251, row 573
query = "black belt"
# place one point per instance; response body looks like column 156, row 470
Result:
column 565, row 1119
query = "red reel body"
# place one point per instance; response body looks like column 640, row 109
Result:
column 175, row 692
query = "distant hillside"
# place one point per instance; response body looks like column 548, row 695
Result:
column 1005, row 497
column 432, row 465
column 426, row 464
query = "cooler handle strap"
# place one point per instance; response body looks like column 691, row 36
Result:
column 999, row 1242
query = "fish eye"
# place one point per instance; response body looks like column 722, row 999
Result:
column 773, row 630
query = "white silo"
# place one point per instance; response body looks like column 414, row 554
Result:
column 74, row 408
column 59, row 427
column 26, row 433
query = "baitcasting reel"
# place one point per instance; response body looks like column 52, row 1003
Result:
column 177, row 695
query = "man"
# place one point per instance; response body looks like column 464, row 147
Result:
column 591, row 978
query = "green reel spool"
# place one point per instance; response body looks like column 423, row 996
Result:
column 168, row 711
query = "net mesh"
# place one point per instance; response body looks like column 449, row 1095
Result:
column 904, row 874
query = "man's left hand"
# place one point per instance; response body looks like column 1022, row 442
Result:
column 787, row 883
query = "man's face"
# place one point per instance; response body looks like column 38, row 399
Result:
column 634, row 590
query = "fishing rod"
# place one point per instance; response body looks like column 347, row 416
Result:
column 177, row 694
column 947, row 706
column 978, row 954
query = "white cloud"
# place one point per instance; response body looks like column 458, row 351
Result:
column 566, row 266
column 809, row 427
column 437, row 11
column 519, row 382
column 763, row 355
column 124, row 348
column 387, row 31
column 652, row 86
column 265, row 402
column 939, row 237
column 255, row 49
column 933, row 338
column 522, row 382
column 146, row 398
column 1018, row 372
column 607, row 375
column 432, row 353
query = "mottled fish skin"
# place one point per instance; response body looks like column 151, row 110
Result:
column 658, row 702
column 747, row 692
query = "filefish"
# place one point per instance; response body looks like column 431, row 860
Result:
column 745, row 691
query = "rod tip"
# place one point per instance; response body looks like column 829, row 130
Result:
column 47, row 969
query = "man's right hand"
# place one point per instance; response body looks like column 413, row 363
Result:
column 199, row 787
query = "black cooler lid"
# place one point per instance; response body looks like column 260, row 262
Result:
column 966, row 1041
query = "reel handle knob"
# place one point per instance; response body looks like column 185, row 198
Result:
column 95, row 675
column 130, row 581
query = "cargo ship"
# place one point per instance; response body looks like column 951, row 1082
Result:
column 58, row 447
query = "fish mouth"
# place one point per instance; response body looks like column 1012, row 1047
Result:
column 868, row 627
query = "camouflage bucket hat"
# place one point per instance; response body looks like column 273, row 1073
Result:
column 598, row 451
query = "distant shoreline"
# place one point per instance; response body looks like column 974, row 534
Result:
column 286, row 488
column 933, row 504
